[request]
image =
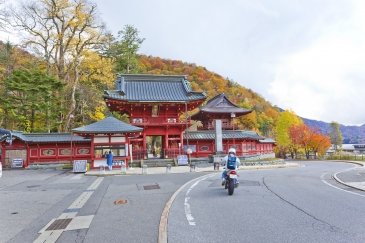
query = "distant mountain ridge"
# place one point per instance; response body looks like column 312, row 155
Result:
column 351, row 134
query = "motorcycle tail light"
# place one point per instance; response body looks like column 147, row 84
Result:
column 233, row 172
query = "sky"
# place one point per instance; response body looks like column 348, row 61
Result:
column 307, row 56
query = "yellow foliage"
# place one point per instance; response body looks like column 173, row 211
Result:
column 97, row 70
column 98, row 113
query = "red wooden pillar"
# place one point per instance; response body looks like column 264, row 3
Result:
column 26, row 162
column 92, row 151
column 144, row 145
column 166, row 141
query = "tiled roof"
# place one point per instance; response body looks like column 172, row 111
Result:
column 153, row 88
column 267, row 140
column 210, row 134
column 108, row 125
column 4, row 133
column 49, row 137
column 220, row 104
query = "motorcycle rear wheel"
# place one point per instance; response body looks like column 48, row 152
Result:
column 230, row 187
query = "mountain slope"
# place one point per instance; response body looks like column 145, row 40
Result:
column 351, row 134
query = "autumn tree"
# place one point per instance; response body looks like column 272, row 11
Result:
column 335, row 135
column 60, row 31
column 300, row 136
column 309, row 140
column 97, row 76
column 285, row 120
column 319, row 144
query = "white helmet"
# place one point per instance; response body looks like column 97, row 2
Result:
column 232, row 150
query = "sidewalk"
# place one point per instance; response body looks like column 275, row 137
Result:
column 355, row 177
column 206, row 167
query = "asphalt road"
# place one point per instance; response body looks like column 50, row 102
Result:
column 107, row 209
column 301, row 204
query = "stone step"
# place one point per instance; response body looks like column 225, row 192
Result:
column 158, row 163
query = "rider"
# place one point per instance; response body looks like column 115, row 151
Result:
column 231, row 162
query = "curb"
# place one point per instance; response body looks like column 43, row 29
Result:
column 200, row 170
column 334, row 176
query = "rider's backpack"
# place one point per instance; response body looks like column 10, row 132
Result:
column 231, row 163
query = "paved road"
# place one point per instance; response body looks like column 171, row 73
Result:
column 301, row 204
column 277, row 205
column 32, row 200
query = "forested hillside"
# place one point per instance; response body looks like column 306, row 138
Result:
column 261, row 119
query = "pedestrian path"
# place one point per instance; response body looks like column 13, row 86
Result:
column 353, row 177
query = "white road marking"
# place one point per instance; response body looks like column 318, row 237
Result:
column 67, row 215
column 81, row 200
column 49, row 236
column 325, row 182
column 80, row 222
column 187, row 207
column 162, row 228
column 96, row 183
column 77, row 222
column 45, row 227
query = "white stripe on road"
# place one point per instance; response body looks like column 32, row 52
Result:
column 162, row 228
column 77, row 222
column 80, row 222
column 81, row 200
column 96, row 183
column 325, row 182
column 49, row 236
column 187, row 207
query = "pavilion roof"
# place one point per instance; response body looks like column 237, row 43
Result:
column 220, row 104
column 153, row 88
column 226, row 134
column 108, row 125
column 48, row 137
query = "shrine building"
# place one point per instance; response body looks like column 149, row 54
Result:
column 159, row 127
column 160, row 104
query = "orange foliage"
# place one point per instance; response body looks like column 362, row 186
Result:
column 213, row 84
column 309, row 139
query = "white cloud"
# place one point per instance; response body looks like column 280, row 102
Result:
column 304, row 55
column 325, row 80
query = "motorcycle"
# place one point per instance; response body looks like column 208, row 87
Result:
column 231, row 181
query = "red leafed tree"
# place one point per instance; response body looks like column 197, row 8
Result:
column 300, row 136
column 319, row 144
column 308, row 139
